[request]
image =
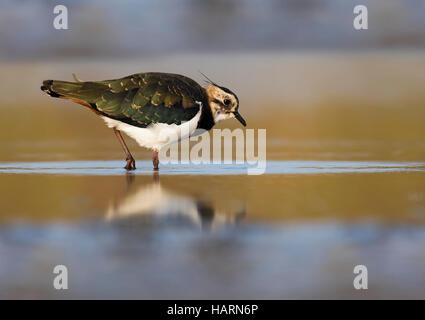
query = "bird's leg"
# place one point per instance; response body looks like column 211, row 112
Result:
column 155, row 160
column 131, row 164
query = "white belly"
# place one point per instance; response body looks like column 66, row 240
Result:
column 157, row 135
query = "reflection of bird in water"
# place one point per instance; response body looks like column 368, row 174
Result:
column 154, row 205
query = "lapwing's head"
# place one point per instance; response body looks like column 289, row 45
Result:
column 224, row 103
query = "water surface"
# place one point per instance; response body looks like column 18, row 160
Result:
column 212, row 231
column 270, row 167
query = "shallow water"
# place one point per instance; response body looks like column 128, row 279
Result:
column 269, row 167
column 141, row 259
column 212, row 231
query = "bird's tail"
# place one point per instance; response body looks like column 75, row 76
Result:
column 81, row 92
column 61, row 89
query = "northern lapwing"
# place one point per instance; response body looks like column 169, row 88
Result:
column 153, row 108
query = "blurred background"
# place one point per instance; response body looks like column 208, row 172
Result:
column 323, row 90
column 133, row 28
column 299, row 67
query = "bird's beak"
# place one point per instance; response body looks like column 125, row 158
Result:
column 239, row 118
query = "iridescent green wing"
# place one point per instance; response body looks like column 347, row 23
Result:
column 145, row 98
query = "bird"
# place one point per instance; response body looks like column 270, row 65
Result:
column 153, row 108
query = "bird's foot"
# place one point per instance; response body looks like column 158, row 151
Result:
column 131, row 164
column 155, row 165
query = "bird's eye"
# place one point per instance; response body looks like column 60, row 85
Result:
column 226, row 102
